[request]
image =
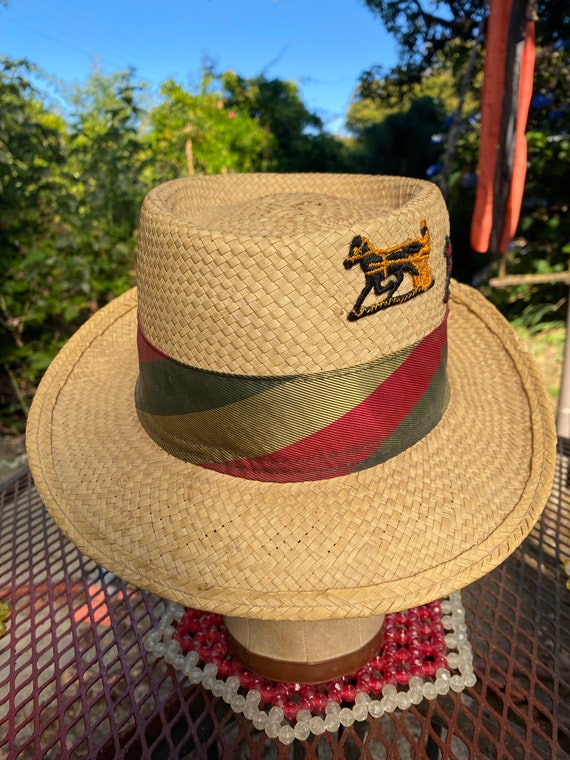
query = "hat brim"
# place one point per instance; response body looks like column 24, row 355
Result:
column 423, row 524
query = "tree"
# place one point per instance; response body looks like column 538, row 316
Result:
column 32, row 153
column 423, row 31
column 402, row 143
column 299, row 142
column 69, row 209
column 201, row 133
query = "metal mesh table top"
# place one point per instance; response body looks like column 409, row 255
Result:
column 76, row 681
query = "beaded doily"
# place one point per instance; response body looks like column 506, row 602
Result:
column 425, row 651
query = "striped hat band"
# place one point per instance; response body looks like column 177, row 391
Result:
column 293, row 428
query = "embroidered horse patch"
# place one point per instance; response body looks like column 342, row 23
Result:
column 396, row 274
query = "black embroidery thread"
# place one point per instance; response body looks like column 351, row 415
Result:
column 384, row 270
column 448, row 253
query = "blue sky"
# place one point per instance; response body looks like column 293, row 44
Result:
column 323, row 45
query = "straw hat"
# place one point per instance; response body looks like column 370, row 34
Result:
column 320, row 426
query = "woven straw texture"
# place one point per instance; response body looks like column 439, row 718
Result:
column 425, row 523
column 261, row 256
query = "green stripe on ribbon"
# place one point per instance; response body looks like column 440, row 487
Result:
column 241, row 417
column 297, row 427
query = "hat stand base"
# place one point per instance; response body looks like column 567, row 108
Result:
column 304, row 652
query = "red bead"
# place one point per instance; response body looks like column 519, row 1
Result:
column 376, row 684
column 219, row 650
column 307, row 692
column 282, row 689
column 416, row 668
column 335, row 695
column 403, row 655
column 205, row 654
column 348, row 692
column 267, row 693
column 320, row 701
column 256, row 683
column 290, row 709
column 224, row 668
column 279, row 700
column 245, row 678
column 402, row 675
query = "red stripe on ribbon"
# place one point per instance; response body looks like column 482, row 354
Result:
column 340, row 447
column 147, row 352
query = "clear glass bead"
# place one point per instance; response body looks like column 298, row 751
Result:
column 238, row 703
column 304, row 716
column 429, row 690
column 403, row 700
column 208, row 681
column 276, row 714
column 272, row 729
column 192, row 658
column 332, row 708
column 259, row 720
column 249, row 710
column 453, row 659
column 286, row 734
column 317, row 725
column 416, row 694
column 159, row 650
column 332, row 723
column 470, row 680
column 153, row 638
column 232, row 683
column 346, row 716
column 253, row 696
column 302, row 730
column 389, row 703
column 195, row 675
column 457, row 683
column 375, row 708
column 360, row 711
column 451, row 640
column 442, row 686
column 218, row 688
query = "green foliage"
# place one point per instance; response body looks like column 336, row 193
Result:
column 376, row 99
column 402, row 143
column 199, row 133
column 425, row 31
column 69, row 209
column 72, row 188
column 298, row 142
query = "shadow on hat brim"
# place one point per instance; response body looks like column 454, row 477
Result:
column 427, row 522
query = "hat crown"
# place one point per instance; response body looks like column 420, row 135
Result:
column 245, row 274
